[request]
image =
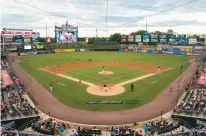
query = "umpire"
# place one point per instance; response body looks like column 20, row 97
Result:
column 132, row 87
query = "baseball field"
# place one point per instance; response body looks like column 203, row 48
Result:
column 79, row 81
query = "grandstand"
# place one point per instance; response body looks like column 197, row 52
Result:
column 15, row 109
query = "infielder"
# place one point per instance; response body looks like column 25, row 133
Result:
column 159, row 68
column 103, row 68
column 59, row 68
column 50, row 86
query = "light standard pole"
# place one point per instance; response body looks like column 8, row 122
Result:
column 46, row 28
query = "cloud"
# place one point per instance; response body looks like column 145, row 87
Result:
column 89, row 15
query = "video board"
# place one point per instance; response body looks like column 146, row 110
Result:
column 66, row 33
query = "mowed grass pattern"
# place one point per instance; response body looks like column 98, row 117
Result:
column 90, row 74
column 75, row 95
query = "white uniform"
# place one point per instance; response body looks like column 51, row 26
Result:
column 50, row 88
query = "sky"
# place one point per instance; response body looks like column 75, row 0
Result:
column 90, row 15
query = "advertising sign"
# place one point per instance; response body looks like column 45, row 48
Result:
column 82, row 50
column 176, row 51
column 146, row 37
column 8, row 40
column 8, row 35
column 192, row 40
column 163, row 38
column 6, row 78
column 27, row 47
column 172, row 38
column 130, row 38
column 35, row 37
column 27, row 40
column 154, row 38
column 18, row 38
column 40, row 46
column 138, row 38
column 123, row 39
column 66, row 33
column 181, row 39
column 28, row 53
column 64, row 50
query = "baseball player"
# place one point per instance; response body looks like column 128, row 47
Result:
column 103, row 68
column 59, row 68
column 80, row 82
column 132, row 87
column 105, row 88
column 50, row 86
column 159, row 68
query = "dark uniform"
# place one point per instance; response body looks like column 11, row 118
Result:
column 132, row 87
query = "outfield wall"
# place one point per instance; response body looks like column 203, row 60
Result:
column 177, row 50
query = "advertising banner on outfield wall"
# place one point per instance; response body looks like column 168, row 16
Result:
column 64, row 50
column 81, row 50
column 176, row 51
column 28, row 53
column 121, row 49
column 138, row 38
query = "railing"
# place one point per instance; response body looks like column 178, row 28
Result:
column 26, row 124
column 184, row 122
column 23, row 133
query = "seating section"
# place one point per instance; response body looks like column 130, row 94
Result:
column 89, row 132
column 194, row 103
column 122, row 131
column 14, row 105
column 49, row 127
column 160, row 127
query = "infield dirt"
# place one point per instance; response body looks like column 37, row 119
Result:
column 148, row 68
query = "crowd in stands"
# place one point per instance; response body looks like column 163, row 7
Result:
column 12, row 102
column 14, row 105
column 194, row 103
column 160, row 127
column 49, row 127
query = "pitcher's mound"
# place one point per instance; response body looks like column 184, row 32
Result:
column 112, row 90
column 105, row 72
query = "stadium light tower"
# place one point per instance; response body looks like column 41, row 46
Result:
column 46, row 19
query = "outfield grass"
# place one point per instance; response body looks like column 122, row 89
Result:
column 76, row 96
column 90, row 74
